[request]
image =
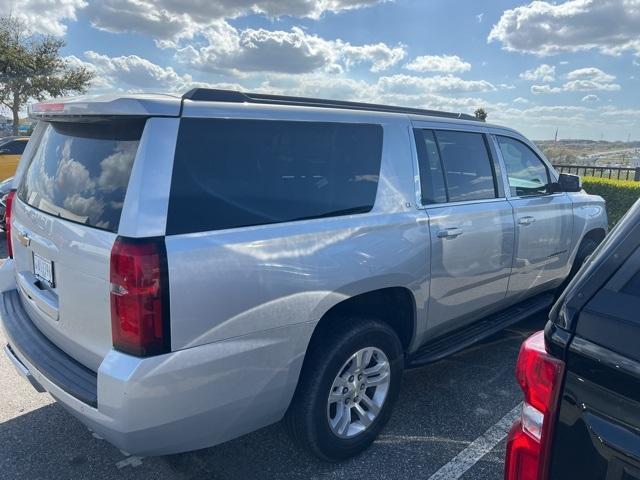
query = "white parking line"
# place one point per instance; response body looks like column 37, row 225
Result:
column 477, row 449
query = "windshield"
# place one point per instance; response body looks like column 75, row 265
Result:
column 80, row 171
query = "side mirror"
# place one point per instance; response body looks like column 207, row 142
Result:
column 569, row 183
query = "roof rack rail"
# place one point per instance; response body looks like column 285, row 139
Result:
column 234, row 96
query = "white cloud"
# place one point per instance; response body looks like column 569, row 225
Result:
column 43, row 16
column 588, row 79
column 480, row 17
column 172, row 20
column 590, row 73
column 590, row 86
column 440, row 93
column 590, row 98
column 438, row 63
column 545, row 89
column 543, row 28
column 406, row 84
column 232, row 51
column 131, row 73
column 521, row 100
column 379, row 55
column 543, row 73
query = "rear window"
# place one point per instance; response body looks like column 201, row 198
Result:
column 237, row 173
column 80, row 171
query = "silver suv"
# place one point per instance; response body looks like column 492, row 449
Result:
column 188, row 269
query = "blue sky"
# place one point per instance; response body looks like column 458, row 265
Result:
column 536, row 66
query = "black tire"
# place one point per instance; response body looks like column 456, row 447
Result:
column 306, row 420
column 587, row 247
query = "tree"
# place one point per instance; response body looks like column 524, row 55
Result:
column 481, row 114
column 31, row 68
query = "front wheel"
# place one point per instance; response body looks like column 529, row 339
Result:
column 347, row 388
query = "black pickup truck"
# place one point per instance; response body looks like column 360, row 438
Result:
column 581, row 376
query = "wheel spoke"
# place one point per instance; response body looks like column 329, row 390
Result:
column 360, row 360
column 345, row 421
column 368, row 354
column 362, row 414
column 377, row 380
column 377, row 368
column 336, row 397
column 353, row 366
column 371, row 405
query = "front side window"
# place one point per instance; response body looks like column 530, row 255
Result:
column 467, row 165
column 527, row 174
column 231, row 173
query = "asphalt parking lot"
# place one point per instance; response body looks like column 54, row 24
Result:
column 449, row 413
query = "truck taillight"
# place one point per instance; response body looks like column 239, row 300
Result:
column 139, row 296
column 528, row 445
column 7, row 218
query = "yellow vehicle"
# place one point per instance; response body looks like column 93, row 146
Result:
column 11, row 149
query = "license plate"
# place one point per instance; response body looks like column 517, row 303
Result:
column 43, row 269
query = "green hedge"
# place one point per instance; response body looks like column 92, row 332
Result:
column 619, row 194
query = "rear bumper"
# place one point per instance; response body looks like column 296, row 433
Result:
column 185, row 400
column 62, row 370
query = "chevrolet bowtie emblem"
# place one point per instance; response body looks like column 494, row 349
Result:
column 24, row 238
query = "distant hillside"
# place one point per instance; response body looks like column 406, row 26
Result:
column 589, row 152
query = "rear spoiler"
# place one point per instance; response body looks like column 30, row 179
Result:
column 145, row 105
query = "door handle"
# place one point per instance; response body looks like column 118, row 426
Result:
column 526, row 220
column 449, row 233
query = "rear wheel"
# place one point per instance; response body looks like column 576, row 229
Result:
column 347, row 388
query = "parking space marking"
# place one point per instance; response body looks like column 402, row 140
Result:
column 477, row 449
column 132, row 462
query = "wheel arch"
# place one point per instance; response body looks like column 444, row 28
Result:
column 595, row 234
column 395, row 306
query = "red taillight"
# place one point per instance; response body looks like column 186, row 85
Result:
column 7, row 218
column 139, row 297
column 540, row 376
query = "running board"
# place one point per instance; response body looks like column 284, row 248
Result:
column 460, row 339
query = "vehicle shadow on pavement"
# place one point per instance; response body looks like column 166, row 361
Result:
column 442, row 408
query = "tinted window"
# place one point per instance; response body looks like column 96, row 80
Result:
column 527, row 173
column 235, row 173
column 80, row 171
column 633, row 286
column 15, row 147
column 431, row 175
column 468, row 169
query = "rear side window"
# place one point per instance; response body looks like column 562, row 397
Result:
column 454, row 166
column 236, row 173
column 80, row 171
column 468, row 169
column 431, row 174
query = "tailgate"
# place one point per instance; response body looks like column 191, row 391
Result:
column 66, row 214
column 598, row 430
